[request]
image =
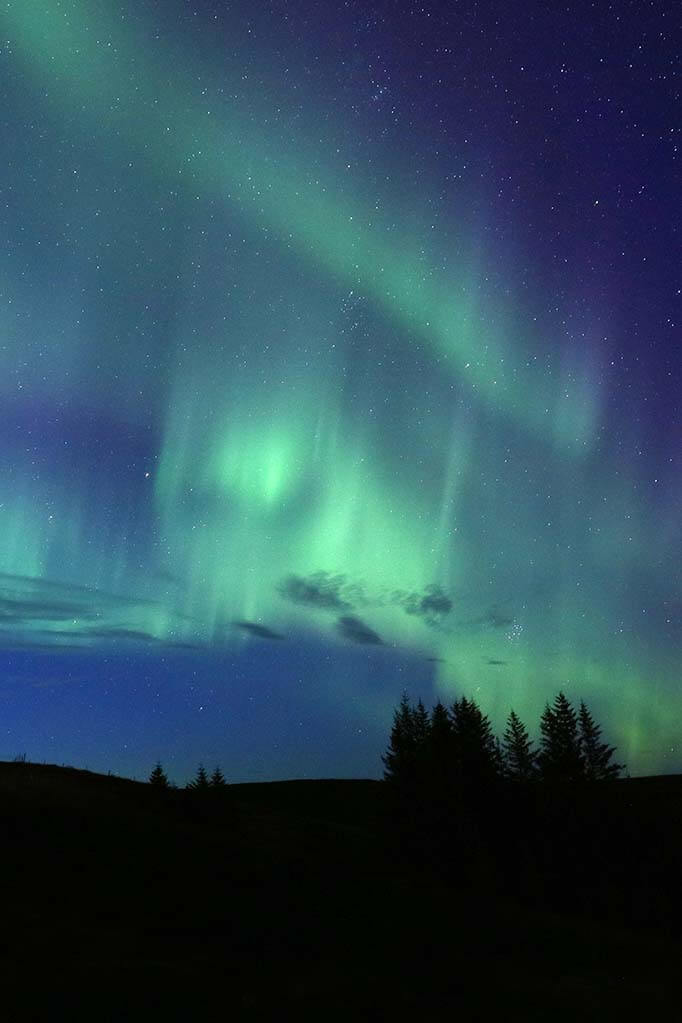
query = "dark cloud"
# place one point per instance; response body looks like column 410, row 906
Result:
column 16, row 587
column 256, row 629
column 14, row 643
column 435, row 601
column 104, row 632
column 357, row 631
column 327, row 592
column 11, row 579
column 20, row 610
column 320, row 590
column 33, row 613
column 26, row 602
column 492, row 618
column 120, row 632
column 432, row 604
column 497, row 620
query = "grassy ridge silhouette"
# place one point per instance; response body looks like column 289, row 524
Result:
column 298, row 896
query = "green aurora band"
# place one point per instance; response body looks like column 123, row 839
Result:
column 272, row 464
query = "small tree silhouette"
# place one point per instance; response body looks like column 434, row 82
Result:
column 158, row 777
column 200, row 782
column 517, row 753
column 217, row 779
column 596, row 754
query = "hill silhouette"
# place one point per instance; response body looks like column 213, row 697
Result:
column 295, row 897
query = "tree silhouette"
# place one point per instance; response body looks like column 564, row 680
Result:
column 421, row 725
column 158, row 777
column 440, row 743
column 217, row 779
column 200, row 782
column 400, row 759
column 474, row 745
column 560, row 757
column 517, row 753
column 596, row 754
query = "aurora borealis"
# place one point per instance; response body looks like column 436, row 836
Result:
column 339, row 354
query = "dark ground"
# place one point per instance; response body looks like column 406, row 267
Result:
column 303, row 900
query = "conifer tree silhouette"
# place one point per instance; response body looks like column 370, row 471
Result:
column 200, row 782
column 596, row 754
column 440, row 742
column 474, row 745
column 400, row 759
column 421, row 724
column 217, row 779
column 560, row 757
column 440, row 727
column 158, row 777
column 517, row 753
column 498, row 758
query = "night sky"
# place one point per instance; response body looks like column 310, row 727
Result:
column 340, row 354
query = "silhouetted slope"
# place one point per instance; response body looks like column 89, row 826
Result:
column 287, row 897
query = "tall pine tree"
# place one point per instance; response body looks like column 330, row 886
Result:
column 421, row 724
column 440, row 739
column 400, row 759
column 517, row 752
column 474, row 746
column 596, row 754
column 560, row 757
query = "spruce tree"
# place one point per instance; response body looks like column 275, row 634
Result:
column 498, row 758
column 421, row 725
column 200, row 782
column 158, row 777
column 440, row 751
column 217, row 779
column 517, row 753
column 400, row 758
column 474, row 746
column 440, row 736
column 560, row 757
column 422, row 734
column 596, row 754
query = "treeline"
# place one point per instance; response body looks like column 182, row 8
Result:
column 536, row 818
column 455, row 747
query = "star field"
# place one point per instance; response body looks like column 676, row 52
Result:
column 339, row 354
